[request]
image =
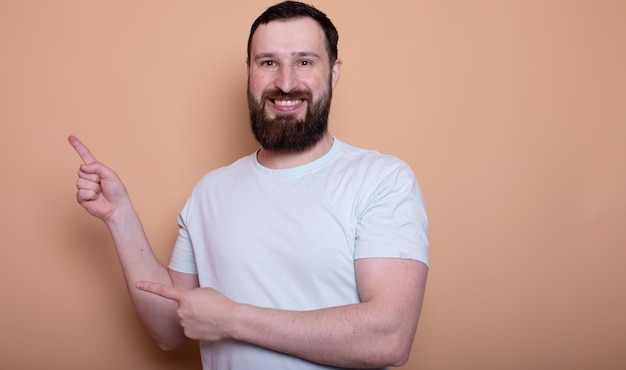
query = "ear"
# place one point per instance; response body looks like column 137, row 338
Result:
column 335, row 72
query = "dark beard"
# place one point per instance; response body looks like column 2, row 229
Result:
column 286, row 133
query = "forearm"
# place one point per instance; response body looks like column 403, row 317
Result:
column 355, row 336
column 138, row 262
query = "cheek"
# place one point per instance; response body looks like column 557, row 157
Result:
column 316, row 82
column 319, row 87
column 257, row 83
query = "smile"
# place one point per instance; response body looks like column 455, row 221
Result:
column 287, row 103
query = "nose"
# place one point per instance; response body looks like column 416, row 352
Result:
column 286, row 79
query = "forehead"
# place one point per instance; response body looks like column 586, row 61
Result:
column 289, row 36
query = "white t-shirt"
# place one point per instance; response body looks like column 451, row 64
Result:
column 288, row 238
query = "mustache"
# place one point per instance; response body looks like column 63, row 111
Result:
column 277, row 94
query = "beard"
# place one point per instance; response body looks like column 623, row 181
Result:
column 286, row 132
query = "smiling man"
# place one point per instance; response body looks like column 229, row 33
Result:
column 307, row 254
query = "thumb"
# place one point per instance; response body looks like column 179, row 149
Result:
column 99, row 169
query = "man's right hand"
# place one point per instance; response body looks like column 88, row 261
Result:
column 100, row 190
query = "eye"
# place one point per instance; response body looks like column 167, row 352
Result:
column 305, row 63
column 268, row 63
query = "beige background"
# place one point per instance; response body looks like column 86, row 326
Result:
column 511, row 113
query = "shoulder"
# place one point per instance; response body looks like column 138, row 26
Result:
column 373, row 164
column 379, row 178
column 224, row 176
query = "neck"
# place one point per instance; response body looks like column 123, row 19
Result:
column 282, row 160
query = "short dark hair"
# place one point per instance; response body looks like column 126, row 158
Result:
column 295, row 9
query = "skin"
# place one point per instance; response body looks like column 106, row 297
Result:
column 377, row 332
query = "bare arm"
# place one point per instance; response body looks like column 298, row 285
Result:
column 375, row 333
column 103, row 195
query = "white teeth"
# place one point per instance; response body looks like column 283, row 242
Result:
column 287, row 103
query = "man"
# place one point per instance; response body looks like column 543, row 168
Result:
column 307, row 254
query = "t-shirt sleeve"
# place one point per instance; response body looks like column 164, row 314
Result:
column 393, row 221
column 183, row 259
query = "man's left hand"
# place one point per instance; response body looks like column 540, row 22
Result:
column 204, row 313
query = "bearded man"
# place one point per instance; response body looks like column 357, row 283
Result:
column 307, row 254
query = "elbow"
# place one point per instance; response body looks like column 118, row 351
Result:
column 382, row 358
column 169, row 343
column 396, row 354
column 394, row 347
column 399, row 358
column 167, row 346
column 387, row 351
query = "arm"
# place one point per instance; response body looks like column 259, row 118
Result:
column 377, row 332
column 102, row 194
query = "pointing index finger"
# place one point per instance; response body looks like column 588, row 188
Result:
column 159, row 289
column 82, row 150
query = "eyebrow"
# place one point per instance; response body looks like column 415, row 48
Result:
column 309, row 54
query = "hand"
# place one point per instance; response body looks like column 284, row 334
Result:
column 204, row 313
column 100, row 191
